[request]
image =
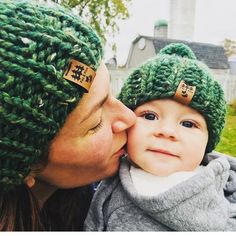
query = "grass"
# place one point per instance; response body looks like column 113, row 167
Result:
column 227, row 143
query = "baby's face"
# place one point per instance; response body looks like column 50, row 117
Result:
column 167, row 137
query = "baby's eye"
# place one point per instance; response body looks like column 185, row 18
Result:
column 150, row 115
column 188, row 124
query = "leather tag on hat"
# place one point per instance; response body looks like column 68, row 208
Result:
column 184, row 93
column 80, row 74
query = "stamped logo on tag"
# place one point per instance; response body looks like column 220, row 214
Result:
column 184, row 93
column 80, row 74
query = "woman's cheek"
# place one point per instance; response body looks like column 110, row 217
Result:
column 101, row 144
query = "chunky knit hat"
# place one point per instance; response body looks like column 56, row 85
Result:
column 176, row 73
column 37, row 46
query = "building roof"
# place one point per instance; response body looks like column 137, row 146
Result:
column 212, row 55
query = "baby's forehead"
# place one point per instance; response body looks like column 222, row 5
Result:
column 168, row 103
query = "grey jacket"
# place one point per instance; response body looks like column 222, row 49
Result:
column 204, row 202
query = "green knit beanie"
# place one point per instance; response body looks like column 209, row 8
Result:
column 37, row 45
column 174, row 67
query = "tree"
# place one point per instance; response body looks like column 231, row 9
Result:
column 101, row 14
column 230, row 47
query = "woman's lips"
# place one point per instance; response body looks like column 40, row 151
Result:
column 162, row 151
column 119, row 153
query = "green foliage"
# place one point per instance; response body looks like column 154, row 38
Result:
column 233, row 105
column 101, row 14
column 228, row 139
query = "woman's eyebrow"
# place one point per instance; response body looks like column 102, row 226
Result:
column 95, row 107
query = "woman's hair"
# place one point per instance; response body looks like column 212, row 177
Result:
column 40, row 48
column 64, row 210
column 67, row 209
column 19, row 210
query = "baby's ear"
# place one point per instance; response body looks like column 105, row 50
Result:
column 29, row 181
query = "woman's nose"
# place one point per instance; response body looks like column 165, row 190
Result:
column 124, row 117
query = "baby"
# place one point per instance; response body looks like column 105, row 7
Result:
column 166, row 183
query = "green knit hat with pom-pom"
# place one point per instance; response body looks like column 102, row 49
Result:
column 38, row 45
column 176, row 73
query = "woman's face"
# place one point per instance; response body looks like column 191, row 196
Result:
column 89, row 145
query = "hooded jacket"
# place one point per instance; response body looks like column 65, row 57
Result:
column 204, row 202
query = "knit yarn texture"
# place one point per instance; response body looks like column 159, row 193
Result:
column 160, row 76
column 36, row 45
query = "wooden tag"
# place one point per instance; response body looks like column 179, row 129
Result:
column 184, row 93
column 80, row 74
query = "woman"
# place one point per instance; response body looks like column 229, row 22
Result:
column 61, row 128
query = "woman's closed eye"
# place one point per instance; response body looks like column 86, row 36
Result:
column 149, row 115
column 96, row 127
column 189, row 124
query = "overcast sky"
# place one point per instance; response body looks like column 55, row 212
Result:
column 215, row 20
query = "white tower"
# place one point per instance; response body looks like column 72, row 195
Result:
column 182, row 19
column 161, row 28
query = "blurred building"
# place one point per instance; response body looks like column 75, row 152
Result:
column 180, row 28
